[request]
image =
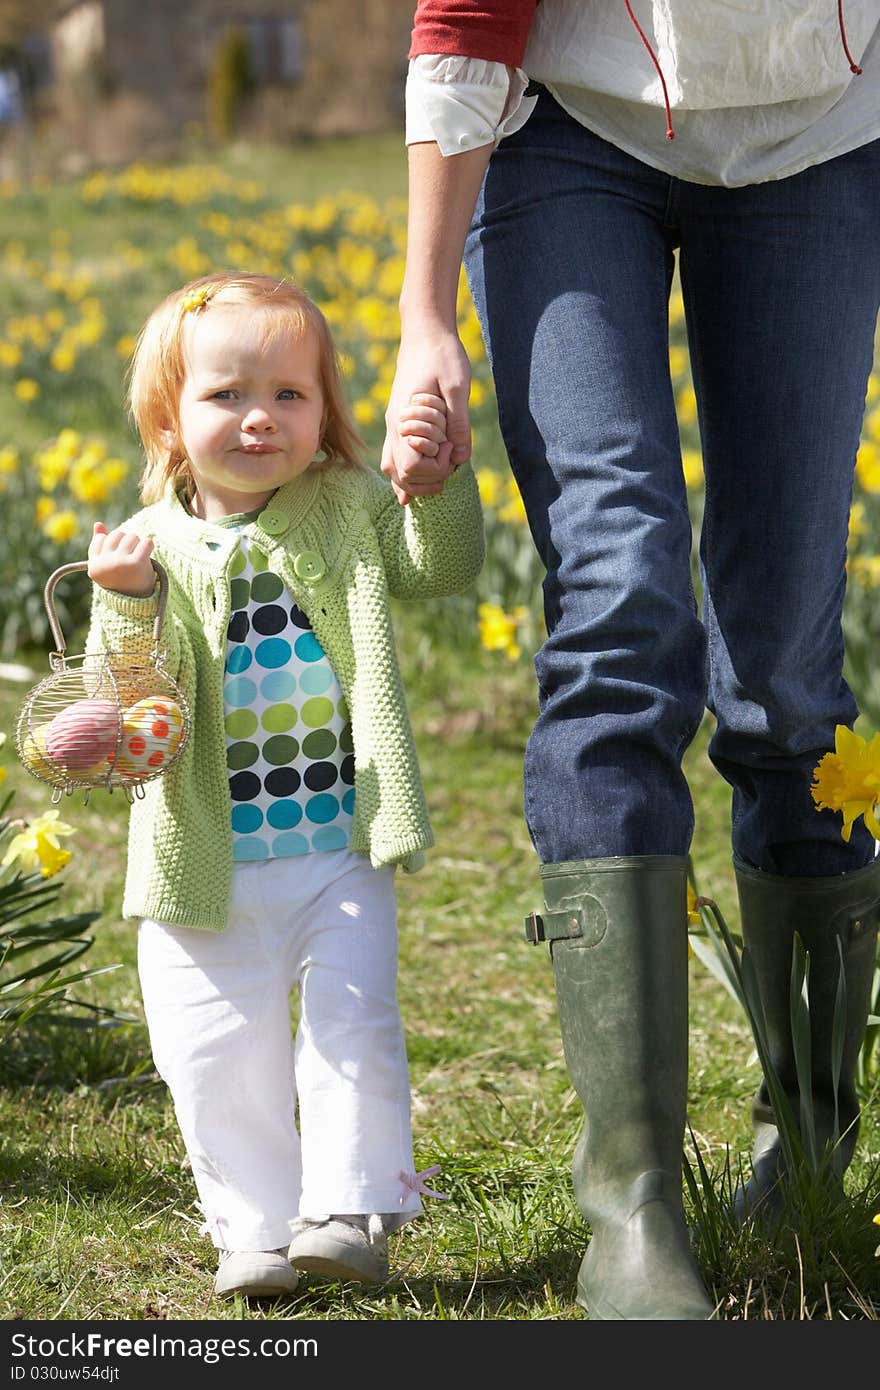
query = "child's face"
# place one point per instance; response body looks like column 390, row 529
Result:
column 251, row 409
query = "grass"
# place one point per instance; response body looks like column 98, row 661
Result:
column 97, row 1218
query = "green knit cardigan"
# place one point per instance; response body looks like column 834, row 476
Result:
column 342, row 544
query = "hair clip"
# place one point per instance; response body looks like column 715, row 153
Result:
column 195, row 301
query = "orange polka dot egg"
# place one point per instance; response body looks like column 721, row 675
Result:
column 151, row 733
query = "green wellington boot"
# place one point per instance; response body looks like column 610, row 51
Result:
column 618, row 934
column 823, row 911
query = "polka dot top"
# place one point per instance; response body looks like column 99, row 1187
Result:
column 289, row 747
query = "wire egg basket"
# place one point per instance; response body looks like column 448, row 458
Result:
column 101, row 719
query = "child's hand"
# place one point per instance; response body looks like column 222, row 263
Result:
column 422, row 424
column 120, row 560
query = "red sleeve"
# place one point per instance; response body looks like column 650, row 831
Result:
column 490, row 29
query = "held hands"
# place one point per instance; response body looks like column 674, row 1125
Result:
column 120, row 560
column 414, row 468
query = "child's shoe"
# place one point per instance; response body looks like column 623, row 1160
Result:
column 255, row 1274
column 342, row 1247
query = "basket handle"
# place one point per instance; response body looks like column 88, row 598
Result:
column 60, row 644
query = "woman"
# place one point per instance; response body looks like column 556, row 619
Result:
column 569, row 151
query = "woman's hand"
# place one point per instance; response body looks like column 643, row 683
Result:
column 120, row 560
column 431, row 359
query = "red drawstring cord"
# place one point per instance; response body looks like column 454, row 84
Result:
column 670, row 133
column 853, row 65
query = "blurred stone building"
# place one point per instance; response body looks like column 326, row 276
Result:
column 132, row 77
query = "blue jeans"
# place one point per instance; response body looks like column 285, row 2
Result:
column 570, row 261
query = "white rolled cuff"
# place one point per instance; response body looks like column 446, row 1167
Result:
column 463, row 103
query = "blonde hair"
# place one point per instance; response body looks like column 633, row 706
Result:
column 158, row 369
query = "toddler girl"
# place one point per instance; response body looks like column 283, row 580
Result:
column 265, row 858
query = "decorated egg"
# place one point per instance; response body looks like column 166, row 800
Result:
column 82, row 735
column 33, row 752
column 151, row 733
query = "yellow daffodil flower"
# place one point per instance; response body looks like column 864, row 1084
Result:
column 489, row 483
column 513, row 510
column 848, row 780
column 37, row 846
column 693, row 908
column 857, row 524
column 868, row 466
column 498, row 630
column 63, row 358
column 866, row 570
column 61, row 526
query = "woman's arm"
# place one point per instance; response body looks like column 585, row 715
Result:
column 442, row 196
column 431, row 358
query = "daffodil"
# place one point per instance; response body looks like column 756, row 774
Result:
column 498, row 630
column 866, row 570
column 63, row 358
column 857, row 524
column 514, row 509
column 693, row 908
column 61, row 527
column 489, row 483
column 37, row 846
column 848, row 780
column 868, row 466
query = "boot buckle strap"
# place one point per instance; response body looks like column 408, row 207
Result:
column 552, row 926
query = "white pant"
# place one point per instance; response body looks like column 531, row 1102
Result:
column 218, row 1010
